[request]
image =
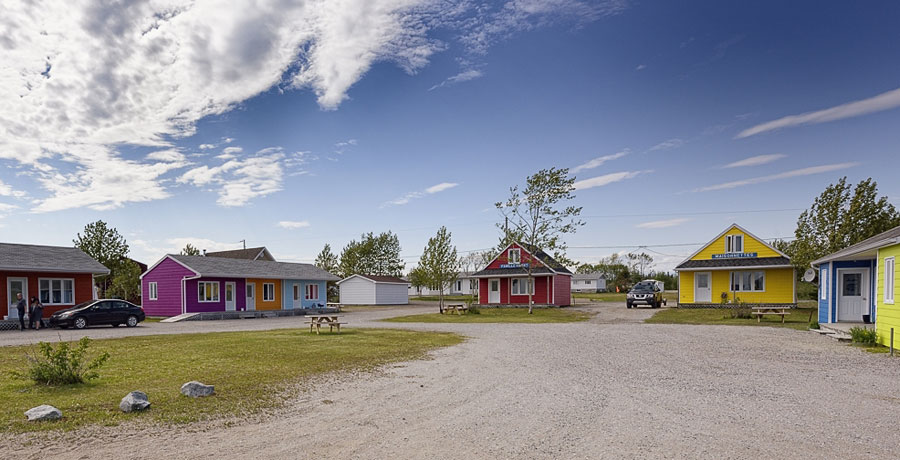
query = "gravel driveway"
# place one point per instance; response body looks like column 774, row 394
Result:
column 607, row 388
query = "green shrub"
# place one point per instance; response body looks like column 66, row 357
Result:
column 64, row 364
column 741, row 311
column 474, row 310
column 863, row 336
column 814, row 325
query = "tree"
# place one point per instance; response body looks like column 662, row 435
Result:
column 190, row 250
column 472, row 262
column 417, row 278
column 638, row 262
column 539, row 217
column 439, row 264
column 328, row 261
column 372, row 255
column 838, row 219
column 126, row 283
column 105, row 245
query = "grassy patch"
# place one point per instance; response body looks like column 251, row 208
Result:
column 798, row 318
column 252, row 371
column 499, row 315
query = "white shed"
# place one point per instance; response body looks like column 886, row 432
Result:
column 373, row 290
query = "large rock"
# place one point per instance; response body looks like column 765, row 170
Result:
column 196, row 389
column 136, row 400
column 43, row 412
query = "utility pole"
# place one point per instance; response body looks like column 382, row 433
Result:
column 244, row 243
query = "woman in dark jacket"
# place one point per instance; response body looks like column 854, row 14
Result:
column 35, row 312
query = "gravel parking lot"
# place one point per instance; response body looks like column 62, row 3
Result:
column 611, row 387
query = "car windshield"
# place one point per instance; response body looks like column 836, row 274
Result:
column 643, row 287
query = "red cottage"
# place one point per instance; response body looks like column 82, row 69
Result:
column 505, row 280
column 61, row 277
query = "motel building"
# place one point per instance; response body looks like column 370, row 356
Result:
column 504, row 282
column 736, row 266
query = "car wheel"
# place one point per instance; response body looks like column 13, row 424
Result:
column 80, row 323
column 628, row 305
column 132, row 321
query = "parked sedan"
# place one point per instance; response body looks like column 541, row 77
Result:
column 96, row 312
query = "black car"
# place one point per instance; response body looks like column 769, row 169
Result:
column 96, row 312
column 645, row 292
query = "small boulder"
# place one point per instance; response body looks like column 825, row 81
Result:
column 134, row 401
column 43, row 412
column 196, row 389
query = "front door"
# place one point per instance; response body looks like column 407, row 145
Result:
column 297, row 302
column 494, row 291
column 702, row 287
column 16, row 286
column 229, row 296
column 251, row 296
column 853, row 301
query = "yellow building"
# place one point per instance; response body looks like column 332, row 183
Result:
column 736, row 266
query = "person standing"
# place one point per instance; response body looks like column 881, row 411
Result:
column 36, row 311
column 20, row 308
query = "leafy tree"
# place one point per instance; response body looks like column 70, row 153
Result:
column 439, row 264
column 417, row 278
column 105, row 245
column 839, row 218
column 190, row 250
column 372, row 255
column 328, row 261
column 126, row 282
column 638, row 262
column 538, row 216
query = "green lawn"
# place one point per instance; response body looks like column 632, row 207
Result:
column 796, row 319
column 499, row 315
column 252, row 371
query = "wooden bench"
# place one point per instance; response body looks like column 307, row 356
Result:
column 759, row 312
column 334, row 305
column 459, row 308
column 317, row 321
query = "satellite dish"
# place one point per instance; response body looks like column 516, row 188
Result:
column 810, row 275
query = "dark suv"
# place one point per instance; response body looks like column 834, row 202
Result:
column 96, row 312
column 647, row 293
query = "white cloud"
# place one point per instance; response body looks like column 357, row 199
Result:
column 785, row 175
column 461, row 77
column 170, row 155
column 6, row 190
column 755, row 161
column 666, row 145
column 663, row 223
column 599, row 161
column 884, row 101
column 290, row 224
column 440, row 187
column 437, row 188
column 6, row 207
column 640, row 67
column 207, row 146
column 239, row 181
column 607, row 179
column 149, row 251
column 232, row 150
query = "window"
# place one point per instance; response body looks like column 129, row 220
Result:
column 747, row 281
column 889, row 280
column 514, row 256
column 734, row 243
column 458, row 286
column 268, row 292
column 823, row 283
column 473, row 284
column 296, row 292
column 518, row 286
column 312, row 292
column 57, row 291
column 153, row 294
column 208, row 291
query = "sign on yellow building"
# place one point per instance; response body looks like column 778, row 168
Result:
column 736, row 266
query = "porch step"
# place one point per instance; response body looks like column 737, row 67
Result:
column 181, row 317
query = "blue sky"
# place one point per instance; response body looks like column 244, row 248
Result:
column 296, row 127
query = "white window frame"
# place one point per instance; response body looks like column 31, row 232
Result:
column 296, row 292
column 509, row 256
column 741, row 283
column 153, row 291
column 61, row 291
column 203, row 288
column 270, row 295
column 520, row 282
column 731, row 246
column 308, row 293
column 889, row 273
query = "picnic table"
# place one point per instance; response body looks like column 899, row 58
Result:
column 330, row 320
column 334, row 305
column 459, row 308
column 761, row 311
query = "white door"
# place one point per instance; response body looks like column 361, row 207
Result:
column 229, row 296
column 297, row 303
column 852, row 294
column 16, row 286
column 494, row 291
column 251, row 296
column 702, row 287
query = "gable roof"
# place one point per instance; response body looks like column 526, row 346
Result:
column 240, row 268
column 378, row 279
column 260, row 253
column 588, row 276
column 30, row 257
column 882, row 239
column 730, row 227
column 551, row 265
